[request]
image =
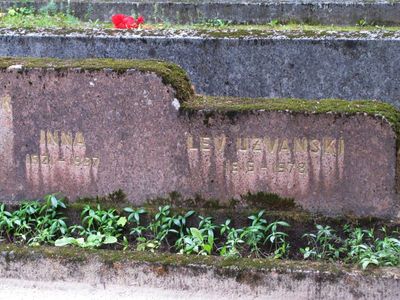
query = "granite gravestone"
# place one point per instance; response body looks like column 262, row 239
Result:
column 88, row 132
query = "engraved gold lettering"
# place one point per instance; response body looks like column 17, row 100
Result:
column 235, row 167
column 6, row 103
column 242, row 144
column 205, row 143
column 220, row 143
column 302, row 168
column 271, row 145
column 300, row 145
column 250, row 166
column 35, row 159
column 329, row 146
column 75, row 169
column 341, row 146
column 87, row 161
column 42, row 137
column 66, row 138
column 256, row 145
column 189, row 143
column 315, row 146
column 280, row 167
column 44, row 160
column 52, row 138
column 96, row 161
column 77, row 160
column 284, row 146
column 79, row 139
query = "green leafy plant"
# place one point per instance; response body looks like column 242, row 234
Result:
column 107, row 222
column 260, row 233
column 234, row 241
column 98, row 227
column 356, row 242
column 47, row 16
column 23, row 220
column 7, row 224
column 160, row 227
column 274, row 22
column 254, row 235
column 363, row 23
column 20, row 11
column 217, row 23
column 134, row 218
column 49, row 223
column 277, row 239
column 91, row 241
column 366, row 249
column 145, row 244
column 324, row 244
column 34, row 222
column 198, row 240
column 43, row 222
column 49, row 9
column 162, row 224
column 180, row 224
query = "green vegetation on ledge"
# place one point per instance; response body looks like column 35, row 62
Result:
column 170, row 73
column 45, row 222
column 48, row 18
column 28, row 17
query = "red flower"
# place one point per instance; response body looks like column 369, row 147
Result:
column 121, row 21
column 140, row 20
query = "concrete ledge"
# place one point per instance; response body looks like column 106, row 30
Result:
column 213, row 276
column 249, row 11
column 274, row 65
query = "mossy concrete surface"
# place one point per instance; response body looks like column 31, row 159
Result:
column 170, row 73
column 175, row 76
column 308, row 65
column 234, row 278
column 249, row 11
column 232, row 105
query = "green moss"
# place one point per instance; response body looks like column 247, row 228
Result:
column 275, row 207
column 269, row 201
column 116, row 199
column 294, row 31
column 170, row 73
column 68, row 22
column 291, row 31
column 232, row 105
column 229, row 267
column 288, row 25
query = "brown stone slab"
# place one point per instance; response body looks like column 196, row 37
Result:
column 87, row 132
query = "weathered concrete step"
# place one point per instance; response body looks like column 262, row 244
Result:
column 188, row 276
column 273, row 64
column 92, row 127
column 249, row 11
